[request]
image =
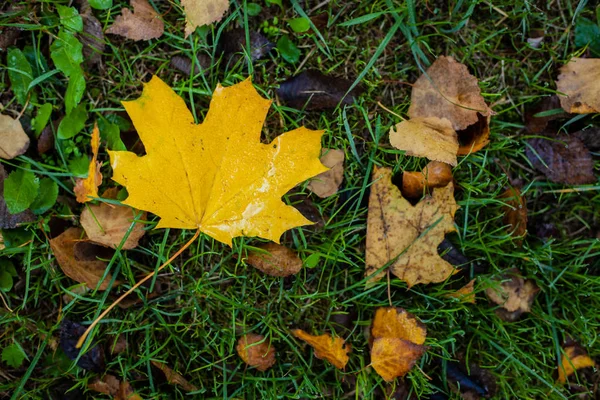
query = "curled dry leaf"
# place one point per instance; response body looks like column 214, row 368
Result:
column 395, row 322
column 275, row 260
column 88, row 272
column 327, row 183
column 573, row 358
column 107, row 224
column 256, row 351
column 8, row 220
column 143, row 23
column 86, row 189
column 579, row 80
column 466, row 293
column 202, row 12
column 393, row 357
column 334, row 350
column 435, row 175
column 515, row 212
column 514, row 294
column 429, row 137
column 407, row 235
column 563, row 159
column 13, row 139
column 475, row 137
column 174, row 377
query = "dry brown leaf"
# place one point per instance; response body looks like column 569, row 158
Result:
column 174, row 377
column 86, row 189
column 143, row 23
column 328, row 183
column 88, row 272
column 537, row 124
column 514, row 294
column 108, row 384
column 334, row 350
column 579, row 80
column 466, row 293
column 573, row 358
column 92, row 37
column 475, row 137
column 256, row 351
column 275, row 260
column 13, row 139
column 392, row 322
column 107, row 224
column 435, row 175
column 448, row 90
column 429, row 137
column 515, row 212
column 394, row 357
column 202, row 12
column 407, row 235
column 126, row 392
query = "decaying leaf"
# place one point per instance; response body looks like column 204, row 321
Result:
column 514, row 294
column 515, row 212
column 109, row 384
column 8, row 220
column 92, row 359
column 202, row 12
column 435, row 175
column 539, row 116
column 13, row 139
column 563, row 159
column 275, row 260
column 429, row 137
column 86, row 189
column 392, row 322
column 143, row 23
column 174, row 377
column 216, row 176
column 107, row 224
column 92, row 36
column 312, row 90
column 590, row 137
column 407, row 235
column 234, row 41
column 466, row 293
column 256, row 351
column 573, row 358
column 334, row 350
column 393, row 357
column 328, row 183
column 475, row 137
column 88, row 272
column 579, row 81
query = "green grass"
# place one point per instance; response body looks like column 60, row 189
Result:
column 210, row 297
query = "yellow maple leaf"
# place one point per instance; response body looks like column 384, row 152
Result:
column 407, row 236
column 215, row 176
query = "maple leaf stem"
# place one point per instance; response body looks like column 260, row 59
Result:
column 127, row 293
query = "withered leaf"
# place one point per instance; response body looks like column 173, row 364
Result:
column 256, row 351
column 174, row 377
column 70, row 331
column 92, row 36
column 550, row 106
column 448, row 90
column 393, row 357
column 86, row 189
column 13, row 139
column 590, row 137
column 275, row 260
column 88, row 251
column 475, row 137
column 393, row 322
column 312, row 90
column 204, row 12
column 184, row 64
column 515, row 212
column 108, row 384
column 107, row 224
column 466, row 293
column 573, row 358
column 514, row 294
column 88, row 272
column 334, row 350
column 435, row 175
column 327, row 183
column 8, row 220
column 579, row 80
column 563, row 159
column 234, row 41
column 143, row 23
column 429, row 137
column 45, row 141
column 407, row 235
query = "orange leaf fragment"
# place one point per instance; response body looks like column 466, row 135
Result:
column 579, row 81
column 275, row 260
column 256, row 351
column 142, row 24
column 572, row 359
column 327, row 183
column 393, row 357
column 466, row 293
column 174, row 377
column 435, row 175
column 334, row 350
column 86, row 189
column 392, row 322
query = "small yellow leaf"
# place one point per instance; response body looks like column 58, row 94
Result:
column 429, row 137
column 573, row 358
column 392, row 322
column 202, row 12
column 327, row 348
column 256, row 351
column 13, row 139
column 328, row 183
column 216, row 176
column 407, row 235
column 393, row 357
column 579, row 81
column 86, row 189
column 465, row 294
